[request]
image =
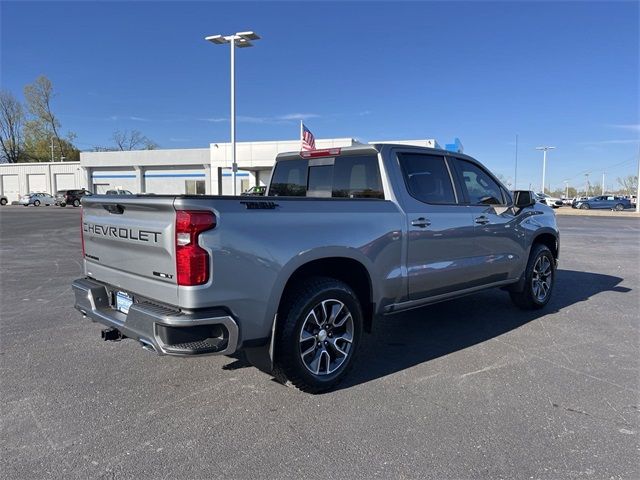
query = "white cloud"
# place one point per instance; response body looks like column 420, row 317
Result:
column 298, row 116
column 624, row 141
column 215, row 119
column 634, row 127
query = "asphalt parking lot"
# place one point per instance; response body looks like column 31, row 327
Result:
column 468, row 389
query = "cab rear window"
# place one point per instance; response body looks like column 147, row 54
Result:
column 355, row 176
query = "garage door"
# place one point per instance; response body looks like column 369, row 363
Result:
column 11, row 187
column 65, row 181
column 36, row 182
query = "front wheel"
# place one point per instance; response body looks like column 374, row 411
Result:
column 3, row 201
column 36, row 203
column 318, row 332
column 619, row 207
column 540, row 276
column 63, row 204
column 76, row 203
column 585, row 206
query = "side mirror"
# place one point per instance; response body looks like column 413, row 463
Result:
column 523, row 198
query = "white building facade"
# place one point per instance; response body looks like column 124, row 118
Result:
column 20, row 178
column 180, row 171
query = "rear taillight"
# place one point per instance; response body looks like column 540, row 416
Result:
column 192, row 261
column 82, row 230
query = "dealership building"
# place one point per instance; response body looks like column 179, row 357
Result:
column 177, row 171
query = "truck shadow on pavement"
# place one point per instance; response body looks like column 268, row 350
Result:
column 407, row 339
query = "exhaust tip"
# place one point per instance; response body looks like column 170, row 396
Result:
column 147, row 346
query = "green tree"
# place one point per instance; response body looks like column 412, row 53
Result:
column 43, row 129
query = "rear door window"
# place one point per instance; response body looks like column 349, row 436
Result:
column 427, row 178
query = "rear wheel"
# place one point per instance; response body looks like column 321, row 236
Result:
column 3, row 201
column 540, row 277
column 36, row 203
column 318, row 332
column 585, row 206
column 619, row 207
column 76, row 203
column 63, row 204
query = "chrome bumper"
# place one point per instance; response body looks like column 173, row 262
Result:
column 153, row 324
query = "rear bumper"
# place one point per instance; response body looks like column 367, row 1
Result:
column 161, row 329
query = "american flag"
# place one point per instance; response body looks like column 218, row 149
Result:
column 308, row 140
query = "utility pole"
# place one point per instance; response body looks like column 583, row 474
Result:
column 52, row 149
column 586, row 184
column 603, row 173
column 566, row 189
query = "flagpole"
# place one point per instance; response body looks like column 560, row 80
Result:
column 301, row 135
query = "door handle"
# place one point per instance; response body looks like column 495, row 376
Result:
column 482, row 220
column 420, row 222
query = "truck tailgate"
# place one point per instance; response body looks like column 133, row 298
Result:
column 129, row 242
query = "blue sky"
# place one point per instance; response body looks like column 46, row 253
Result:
column 562, row 74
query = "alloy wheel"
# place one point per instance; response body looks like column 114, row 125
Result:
column 326, row 337
column 542, row 278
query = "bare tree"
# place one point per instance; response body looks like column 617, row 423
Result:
column 44, row 123
column 629, row 183
column 11, row 123
column 132, row 140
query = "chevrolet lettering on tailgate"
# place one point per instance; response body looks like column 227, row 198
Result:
column 121, row 232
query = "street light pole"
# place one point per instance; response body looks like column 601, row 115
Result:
column 544, row 162
column 240, row 40
column 234, row 165
column 638, row 186
column 602, row 189
column 566, row 189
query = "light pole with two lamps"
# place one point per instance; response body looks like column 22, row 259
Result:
column 544, row 162
column 240, row 40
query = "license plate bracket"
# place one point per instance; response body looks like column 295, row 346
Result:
column 123, row 301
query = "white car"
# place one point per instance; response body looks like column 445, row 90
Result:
column 37, row 199
column 553, row 202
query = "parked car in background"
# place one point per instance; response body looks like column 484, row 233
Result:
column 3, row 200
column 608, row 202
column 37, row 199
column 575, row 201
column 256, row 191
column 118, row 191
column 553, row 202
column 70, row 197
column 567, row 201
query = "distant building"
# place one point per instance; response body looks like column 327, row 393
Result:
column 176, row 171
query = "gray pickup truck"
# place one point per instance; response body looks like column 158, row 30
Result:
column 293, row 279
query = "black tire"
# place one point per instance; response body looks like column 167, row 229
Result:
column 314, row 294
column 76, row 203
column 585, row 206
column 619, row 207
column 63, row 204
column 529, row 299
column 36, row 203
column 3, row 201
